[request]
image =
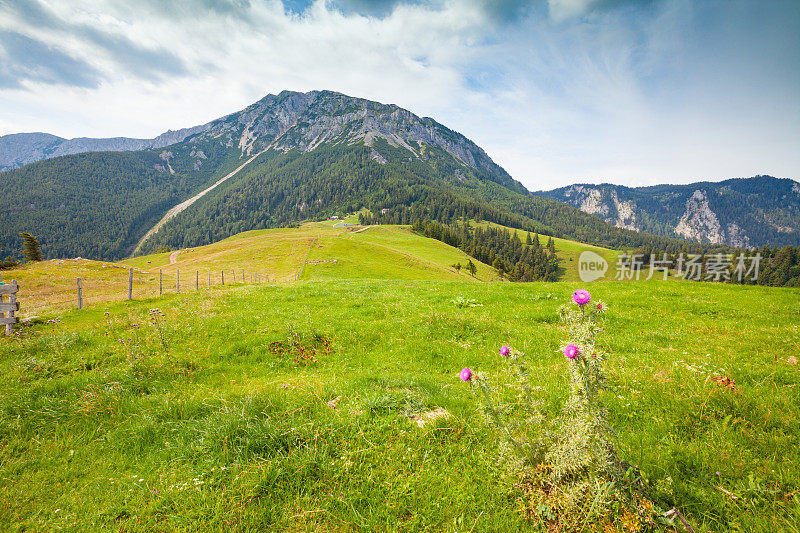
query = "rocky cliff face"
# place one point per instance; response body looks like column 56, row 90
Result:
column 740, row 212
column 607, row 206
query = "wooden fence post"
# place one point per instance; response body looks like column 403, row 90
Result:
column 233, row 271
column 223, row 277
column 177, row 281
column 13, row 306
column 160, row 280
column 197, row 280
column 130, row 283
column 80, row 294
column 209, row 278
column 10, row 307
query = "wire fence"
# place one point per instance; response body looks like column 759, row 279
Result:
column 41, row 295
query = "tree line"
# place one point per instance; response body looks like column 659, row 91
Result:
column 498, row 247
column 768, row 266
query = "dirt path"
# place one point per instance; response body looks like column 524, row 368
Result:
column 365, row 228
column 185, row 204
column 303, row 264
column 173, row 257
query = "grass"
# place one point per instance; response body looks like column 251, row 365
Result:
column 50, row 287
column 388, row 252
column 276, row 256
column 216, row 414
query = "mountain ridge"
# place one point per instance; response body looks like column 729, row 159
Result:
column 320, row 153
column 20, row 149
column 740, row 212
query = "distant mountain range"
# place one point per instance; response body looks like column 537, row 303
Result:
column 284, row 159
column 748, row 212
column 19, row 149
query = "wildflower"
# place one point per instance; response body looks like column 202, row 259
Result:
column 599, row 306
column 581, row 297
column 505, row 351
column 571, row 351
column 466, row 374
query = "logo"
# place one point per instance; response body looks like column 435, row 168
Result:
column 591, row 266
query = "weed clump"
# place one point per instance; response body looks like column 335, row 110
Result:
column 303, row 349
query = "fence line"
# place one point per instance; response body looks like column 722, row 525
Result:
column 58, row 294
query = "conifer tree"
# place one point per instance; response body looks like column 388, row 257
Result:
column 471, row 267
column 31, row 248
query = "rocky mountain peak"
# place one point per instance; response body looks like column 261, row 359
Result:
column 305, row 121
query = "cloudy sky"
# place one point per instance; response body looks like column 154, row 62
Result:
column 556, row 91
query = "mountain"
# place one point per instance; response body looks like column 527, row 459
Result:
column 744, row 212
column 18, row 149
column 286, row 158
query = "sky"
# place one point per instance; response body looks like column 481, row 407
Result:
column 556, row 91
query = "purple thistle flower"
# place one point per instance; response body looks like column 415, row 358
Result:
column 581, row 297
column 571, row 351
column 505, row 351
column 466, row 374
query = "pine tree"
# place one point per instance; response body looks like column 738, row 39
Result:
column 31, row 248
column 471, row 267
column 498, row 265
column 551, row 245
column 529, row 241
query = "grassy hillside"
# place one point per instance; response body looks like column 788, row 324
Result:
column 568, row 253
column 308, row 252
column 277, row 256
column 286, row 407
column 388, row 252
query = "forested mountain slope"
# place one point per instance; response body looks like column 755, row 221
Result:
column 321, row 153
column 750, row 212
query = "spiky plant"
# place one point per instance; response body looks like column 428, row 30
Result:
column 566, row 468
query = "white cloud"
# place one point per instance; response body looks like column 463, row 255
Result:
column 410, row 58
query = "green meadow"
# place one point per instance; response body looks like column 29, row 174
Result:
column 274, row 256
column 289, row 406
column 328, row 398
